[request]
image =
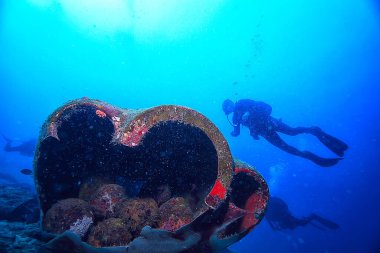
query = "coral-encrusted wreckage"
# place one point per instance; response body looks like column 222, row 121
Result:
column 156, row 180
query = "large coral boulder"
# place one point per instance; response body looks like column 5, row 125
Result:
column 69, row 214
column 110, row 232
column 138, row 213
column 174, row 213
column 105, row 199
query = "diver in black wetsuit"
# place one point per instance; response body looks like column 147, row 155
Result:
column 256, row 116
column 25, row 148
column 279, row 217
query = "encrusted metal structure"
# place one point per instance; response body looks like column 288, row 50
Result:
column 87, row 143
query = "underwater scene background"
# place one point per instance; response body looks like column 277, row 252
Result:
column 317, row 63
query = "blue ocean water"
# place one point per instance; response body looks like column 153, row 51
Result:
column 314, row 62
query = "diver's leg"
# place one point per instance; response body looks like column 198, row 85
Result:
column 291, row 222
column 323, row 221
column 274, row 138
column 296, row 222
column 299, row 222
column 317, row 226
column 281, row 127
column 334, row 144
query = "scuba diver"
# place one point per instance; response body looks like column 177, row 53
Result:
column 256, row 116
column 279, row 217
column 25, row 148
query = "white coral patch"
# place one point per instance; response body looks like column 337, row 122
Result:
column 81, row 226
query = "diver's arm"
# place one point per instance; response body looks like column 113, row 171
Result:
column 236, row 123
column 253, row 133
column 236, row 131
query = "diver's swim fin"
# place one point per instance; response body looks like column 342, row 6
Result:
column 327, row 162
column 6, row 139
column 334, row 144
column 8, row 145
column 323, row 162
column 325, row 222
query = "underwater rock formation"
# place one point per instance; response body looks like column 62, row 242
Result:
column 138, row 213
column 19, row 228
column 69, row 214
column 110, row 232
column 16, row 237
column 11, row 196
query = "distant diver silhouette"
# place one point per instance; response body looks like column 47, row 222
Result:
column 256, row 116
column 279, row 217
column 25, row 148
